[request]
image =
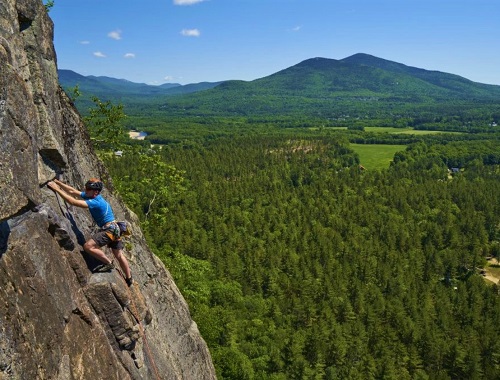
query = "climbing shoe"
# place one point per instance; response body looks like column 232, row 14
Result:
column 104, row 268
column 129, row 281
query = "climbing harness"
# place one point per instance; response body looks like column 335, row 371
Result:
column 124, row 228
column 112, row 229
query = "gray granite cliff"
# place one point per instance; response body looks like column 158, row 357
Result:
column 58, row 320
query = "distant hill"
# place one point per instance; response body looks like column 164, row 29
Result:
column 111, row 88
column 360, row 85
column 459, row 86
column 364, row 75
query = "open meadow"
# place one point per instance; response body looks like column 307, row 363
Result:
column 376, row 156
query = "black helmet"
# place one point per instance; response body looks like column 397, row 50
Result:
column 97, row 185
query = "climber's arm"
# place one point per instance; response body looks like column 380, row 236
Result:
column 67, row 195
column 67, row 188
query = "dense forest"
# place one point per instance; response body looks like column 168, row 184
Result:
column 298, row 264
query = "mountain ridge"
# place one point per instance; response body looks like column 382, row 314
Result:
column 358, row 58
column 361, row 84
column 361, row 71
column 104, row 86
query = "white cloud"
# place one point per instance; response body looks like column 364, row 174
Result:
column 85, row 42
column 187, row 2
column 129, row 55
column 115, row 34
column 98, row 54
column 297, row 28
column 169, row 78
column 190, row 32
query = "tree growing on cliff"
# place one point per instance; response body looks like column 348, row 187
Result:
column 48, row 5
column 104, row 124
column 147, row 183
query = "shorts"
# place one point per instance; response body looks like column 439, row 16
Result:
column 102, row 239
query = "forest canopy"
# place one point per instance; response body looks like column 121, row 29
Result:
column 298, row 264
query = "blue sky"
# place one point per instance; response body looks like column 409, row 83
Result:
column 191, row 41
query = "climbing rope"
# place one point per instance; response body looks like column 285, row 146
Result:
column 3, row 95
column 132, row 308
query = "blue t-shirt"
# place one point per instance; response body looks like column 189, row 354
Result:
column 99, row 209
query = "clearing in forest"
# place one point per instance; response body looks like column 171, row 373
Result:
column 376, row 156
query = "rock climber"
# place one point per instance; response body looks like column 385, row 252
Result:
column 101, row 212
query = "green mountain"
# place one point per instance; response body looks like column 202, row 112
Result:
column 361, row 85
column 362, row 75
column 452, row 85
column 107, row 88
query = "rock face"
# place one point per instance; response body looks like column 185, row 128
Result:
column 58, row 320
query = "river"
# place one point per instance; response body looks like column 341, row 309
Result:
column 137, row 135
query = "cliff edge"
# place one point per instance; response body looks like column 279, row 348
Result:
column 58, row 320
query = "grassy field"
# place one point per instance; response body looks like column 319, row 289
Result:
column 405, row 131
column 376, row 156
